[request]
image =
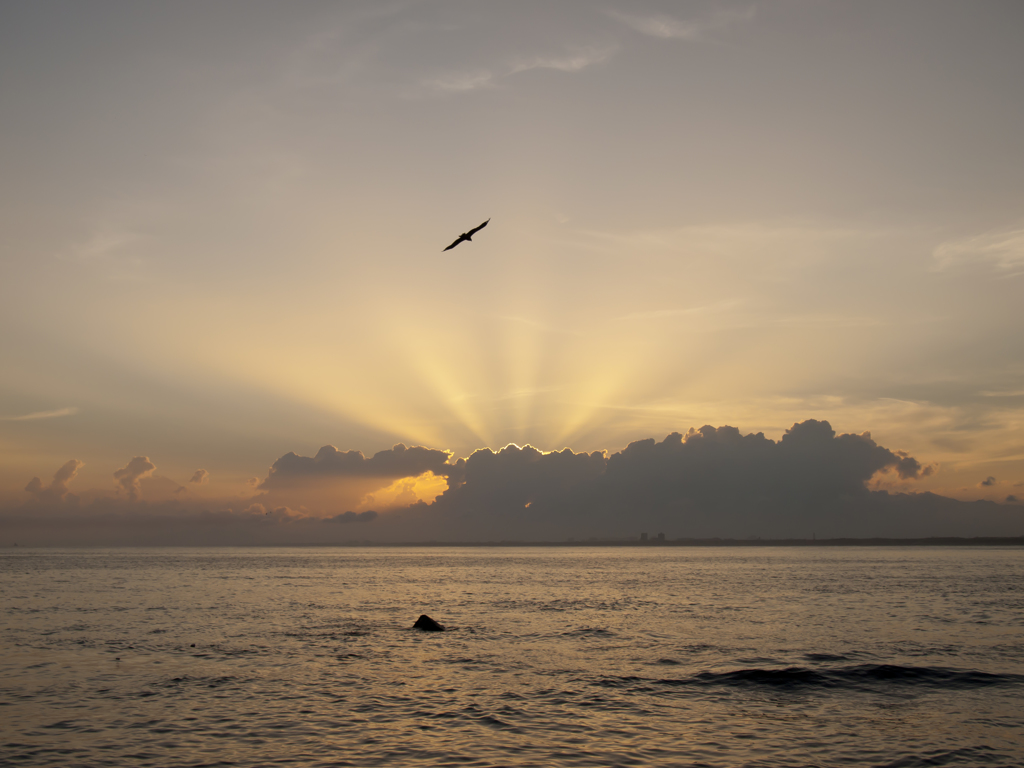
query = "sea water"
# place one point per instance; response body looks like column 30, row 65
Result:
column 575, row 656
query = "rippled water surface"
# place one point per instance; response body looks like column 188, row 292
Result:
column 560, row 656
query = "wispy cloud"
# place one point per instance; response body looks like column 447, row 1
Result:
column 670, row 28
column 102, row 244
column 113, row 253
column 462, row 82
column 575, row 61
column 42, row 415
column 1003, row 393
column 1002, row 248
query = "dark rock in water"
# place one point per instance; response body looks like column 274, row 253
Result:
column 427, row 624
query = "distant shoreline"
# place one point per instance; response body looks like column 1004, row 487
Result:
column 937, row 541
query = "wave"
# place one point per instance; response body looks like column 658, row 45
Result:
column 866, row 676
column 588, row 632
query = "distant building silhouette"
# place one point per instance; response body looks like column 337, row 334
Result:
column 643, row 538
column 661, row 538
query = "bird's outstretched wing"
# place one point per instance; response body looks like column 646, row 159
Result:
column 467, row 235
column 474, row 230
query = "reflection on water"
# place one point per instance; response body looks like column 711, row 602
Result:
column 552, row 657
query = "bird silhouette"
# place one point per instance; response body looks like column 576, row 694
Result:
column 467, row 235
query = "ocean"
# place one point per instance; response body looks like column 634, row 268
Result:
column 574, row 656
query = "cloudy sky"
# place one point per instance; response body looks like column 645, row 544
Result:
column 221, row 234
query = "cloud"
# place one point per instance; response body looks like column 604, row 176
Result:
column 988, row 481
column 43, row 415
column 201, row 476
column 278, row 513
column 1011, row 499
column 708, row 482
column 111, row 251
column 128, row 476
column 517, row 475
column 670, row 28
column 57, row 490
column 909, row 468
column 1002, row 248
column 575, row 61
column 292, row 470
column 462, row 82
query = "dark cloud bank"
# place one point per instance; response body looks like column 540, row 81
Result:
column 708, row 483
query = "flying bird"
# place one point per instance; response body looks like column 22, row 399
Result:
column 467, row 235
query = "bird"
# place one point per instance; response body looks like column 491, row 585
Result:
column 467, row 235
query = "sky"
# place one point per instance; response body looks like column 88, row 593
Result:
column 221, row 234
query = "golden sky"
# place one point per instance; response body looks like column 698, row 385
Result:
column 221, row 232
